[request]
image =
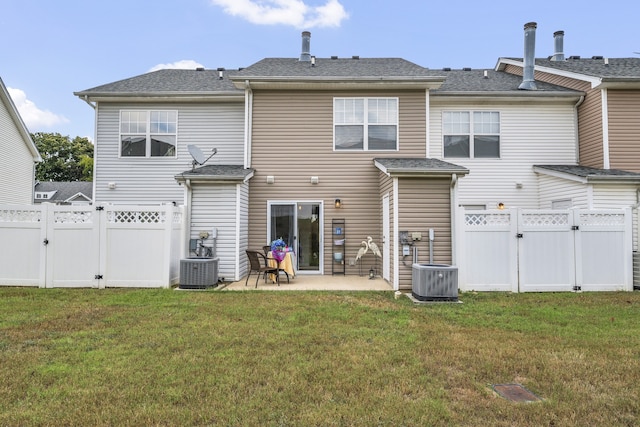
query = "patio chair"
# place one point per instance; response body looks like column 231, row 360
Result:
column 266, row 249
column 258, row 263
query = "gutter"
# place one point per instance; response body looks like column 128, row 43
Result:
column 85, row 98
column 187, row 184
column 248, row 121
column 576, row 123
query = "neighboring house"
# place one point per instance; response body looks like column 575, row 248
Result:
column 64, row 193
column 400, row 146
column 19, row 154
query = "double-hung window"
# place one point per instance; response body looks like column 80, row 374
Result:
column 148, row 133
column 471, row 134
column 365, row 123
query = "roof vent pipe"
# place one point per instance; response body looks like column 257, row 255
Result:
column 528, row 82
column 305, row 56
column 558, row 46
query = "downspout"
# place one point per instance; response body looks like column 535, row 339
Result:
column 606, row 162
column 453, row 196
column 576, row 124
column 187, row 183
column 248, row 119
column 427, row 114
column 95, row 138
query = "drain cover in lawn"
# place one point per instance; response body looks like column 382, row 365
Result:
column 515, row 393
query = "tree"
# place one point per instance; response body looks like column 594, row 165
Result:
column 63, row 159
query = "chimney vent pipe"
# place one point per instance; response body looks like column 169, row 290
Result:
column 305, row 56
column 558, row 46
column 528, row 82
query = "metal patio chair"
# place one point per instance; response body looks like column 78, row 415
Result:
column 258, row 263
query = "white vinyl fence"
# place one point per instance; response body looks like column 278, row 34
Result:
column 90, row 246
column 522, row 250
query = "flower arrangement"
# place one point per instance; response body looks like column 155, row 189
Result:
column 278, row 245
column 279, row 249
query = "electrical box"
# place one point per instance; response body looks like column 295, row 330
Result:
column 406, row 250
column 416, row 235
column 404, row 238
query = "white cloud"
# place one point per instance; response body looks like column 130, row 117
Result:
column 287, row 12
column 34, row 118
column 185, row 64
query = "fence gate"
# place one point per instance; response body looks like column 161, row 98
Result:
column 56, row 246
column 72, row 246
column 522, row 250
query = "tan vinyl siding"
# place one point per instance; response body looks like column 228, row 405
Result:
column 16, row 163
column 530, row 134
column 151, row 180
column 293, row 140
column 624, row 129
column 424, row 204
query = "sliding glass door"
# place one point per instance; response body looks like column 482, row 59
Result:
column 299, row 225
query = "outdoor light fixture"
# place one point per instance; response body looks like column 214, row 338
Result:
column 500, row 205
column 338, row 203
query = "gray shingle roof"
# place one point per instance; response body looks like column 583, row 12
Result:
column 590, row 173
column 217, row 173
column 496, row 81
column 169, row 81
column 64, row 189
column 418, row 166
column 617, row 68
column 339, row 67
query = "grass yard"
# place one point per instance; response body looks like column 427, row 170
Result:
column 161, row 357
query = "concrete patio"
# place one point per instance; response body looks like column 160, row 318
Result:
column 312, row 283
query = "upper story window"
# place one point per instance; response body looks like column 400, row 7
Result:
column 148, row 133
column 365, row 123
column 471, row 134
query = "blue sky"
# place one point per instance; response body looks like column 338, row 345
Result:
column 52, row 48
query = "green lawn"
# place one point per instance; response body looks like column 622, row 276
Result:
column 161, row 357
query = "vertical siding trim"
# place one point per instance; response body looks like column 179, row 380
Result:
column 605, row 129
column 396, row 233
column 427, row 124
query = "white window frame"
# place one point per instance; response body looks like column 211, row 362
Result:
column 472, row 133
column 365, row 123
column 147, row 133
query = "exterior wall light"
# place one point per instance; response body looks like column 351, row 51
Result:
column 338, row 204
column 500, row 205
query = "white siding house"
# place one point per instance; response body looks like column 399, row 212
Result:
column 144, row 127
column 19, row 154
column 527, row 129
column 150, row 180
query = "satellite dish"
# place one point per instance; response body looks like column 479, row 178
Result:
column 198, row 156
